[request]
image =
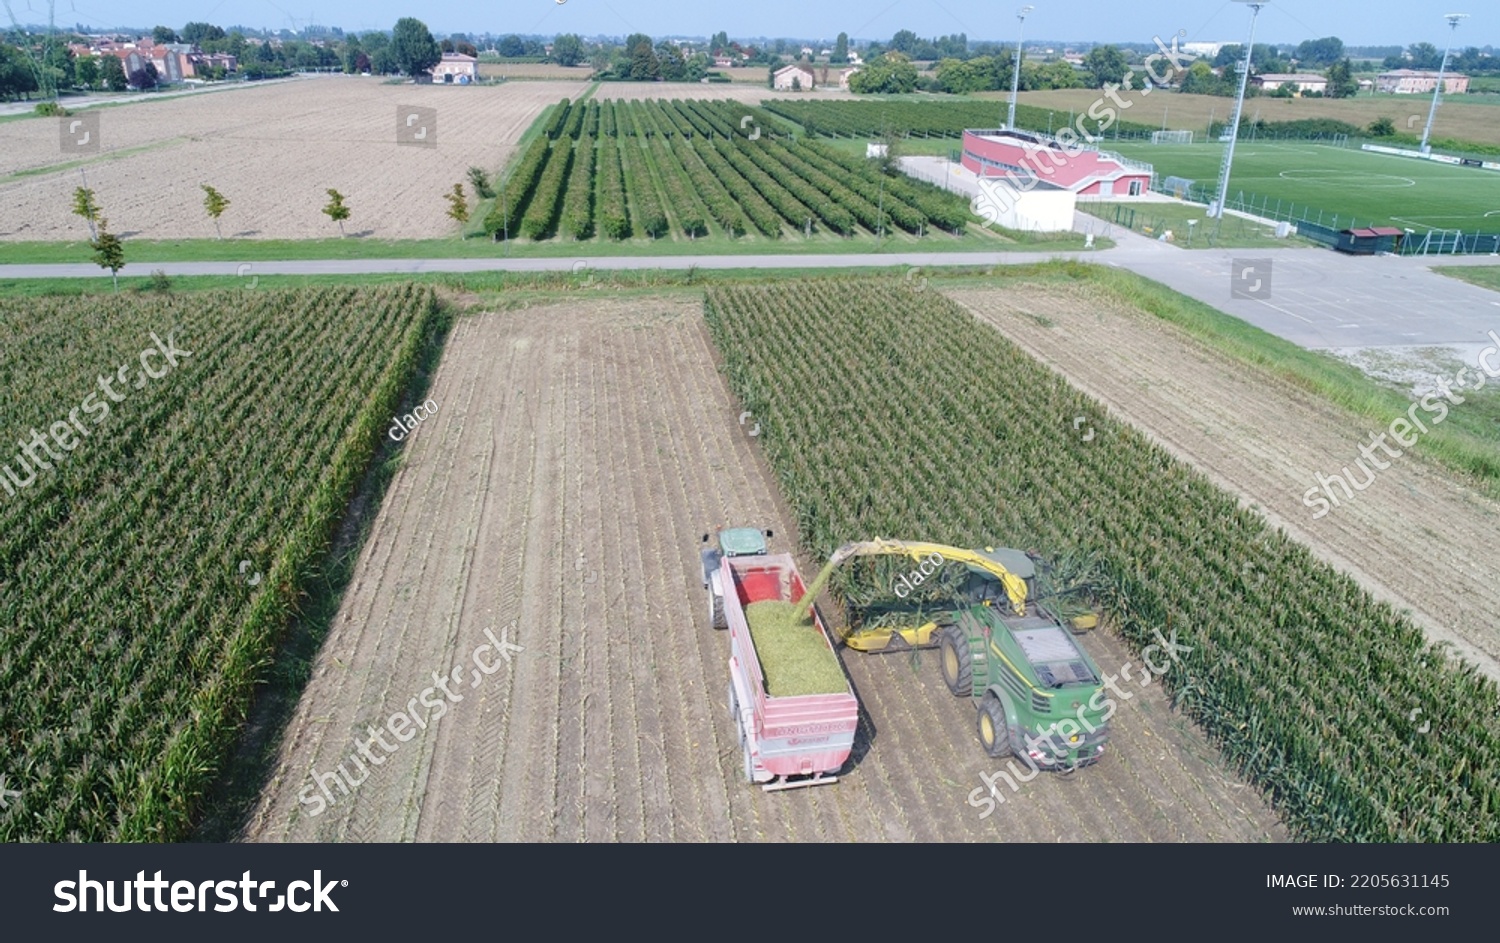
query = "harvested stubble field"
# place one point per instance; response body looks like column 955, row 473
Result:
column 273, row 152
column 560, row 494
column 535, row 70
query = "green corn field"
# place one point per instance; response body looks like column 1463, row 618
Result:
column 147, row 577
column 887, row 411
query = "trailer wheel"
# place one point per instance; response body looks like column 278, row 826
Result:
column 994, row 733
column 957, row 662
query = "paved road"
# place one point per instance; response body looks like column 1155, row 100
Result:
column 1314, row 297
column 1318, row 298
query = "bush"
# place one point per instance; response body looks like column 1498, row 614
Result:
column 157, row 282
column 51, row 110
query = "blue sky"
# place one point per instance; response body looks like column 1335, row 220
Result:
column 1357, row 22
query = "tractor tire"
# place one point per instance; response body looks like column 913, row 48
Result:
column 956, row 661
column 716, row 610
column 994, row 732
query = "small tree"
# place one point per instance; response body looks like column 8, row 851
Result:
column 109, row 251
column 1341, row 81
column 796, row 83
column 458, row 207
column 113, row 73
column 87, row 73
column 336, row 210
column 480, row 182
column 412, row 44
column 1382, row 127
column 84, row 205
column 214, row 203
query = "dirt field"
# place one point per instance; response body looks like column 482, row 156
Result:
column 557, row 498
column 1414, row 537
column 1477, row 121
column 273, row 152
column 536, row 70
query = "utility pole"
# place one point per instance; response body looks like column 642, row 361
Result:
column 1437, row 93
column 1217, row 210
column 1015, row 82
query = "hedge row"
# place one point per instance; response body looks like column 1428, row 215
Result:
column 649, row 216
column 559, row 120
column 835, row 217
column 678, row 190
column 792, row 209
column 942, row 209
column 755, row 206
column 867, row 212
column 614, row 221
column 541, row 213
column 716, row 197
column 578, row 201
column 514, row 195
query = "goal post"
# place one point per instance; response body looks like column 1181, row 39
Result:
column 1171, row 137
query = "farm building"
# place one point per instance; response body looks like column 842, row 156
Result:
column 1302, row 81
column 1419, row 82
column 456, row 69
column 1045, row 207
column 844, row 75
column 786, row 78
column 1080, row 169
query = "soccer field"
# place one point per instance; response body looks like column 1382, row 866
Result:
column 1369, row 189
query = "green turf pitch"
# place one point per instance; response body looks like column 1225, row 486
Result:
column 1371, row 189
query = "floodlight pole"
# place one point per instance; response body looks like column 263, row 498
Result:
column 1437, row 93
column 1217, row 210
column 1015, row 82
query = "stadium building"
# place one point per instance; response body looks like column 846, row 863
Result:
column 1077, row 167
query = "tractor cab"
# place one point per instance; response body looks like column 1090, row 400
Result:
column 732, row 542
column 742, row 542
column 983, row 586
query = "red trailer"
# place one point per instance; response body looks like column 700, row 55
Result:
column 787, row 742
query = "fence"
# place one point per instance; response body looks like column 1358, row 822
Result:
column 1323, row 227
column 1157, row 220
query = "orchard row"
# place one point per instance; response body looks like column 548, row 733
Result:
column 694, row 168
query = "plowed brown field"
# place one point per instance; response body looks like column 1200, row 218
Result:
column 577, row 455
column 274, row 151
